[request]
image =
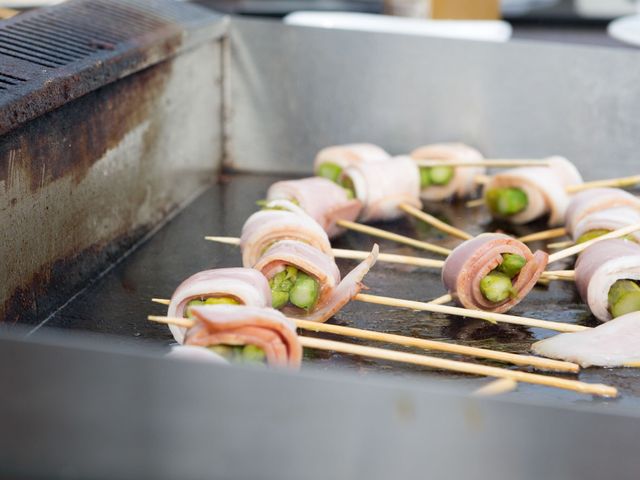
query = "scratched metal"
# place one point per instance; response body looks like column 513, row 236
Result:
column 118, row 303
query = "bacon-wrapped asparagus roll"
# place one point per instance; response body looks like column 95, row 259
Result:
column 281, row 220
column 383, row 186
column 305, row 283
column 445, row 182
column 239, row 286
column 492, row 272
column 613, row 344
column 594, row 212
column 331, row 161
column 607, row 276
column 244, row 334
column 322, row 199
column 521, row 195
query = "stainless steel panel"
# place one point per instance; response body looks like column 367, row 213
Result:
column 82, row 408
column 295, row 90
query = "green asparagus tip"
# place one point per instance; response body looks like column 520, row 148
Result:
column 624, row 297
column 330, row 171
column 496, row 287
column 305, row 291
column 506, row 201
column 511, row 264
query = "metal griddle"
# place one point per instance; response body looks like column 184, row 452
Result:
column 118, row 303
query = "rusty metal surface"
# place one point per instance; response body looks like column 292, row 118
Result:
column 51, row 56
column 81, row 184
column 118, row 303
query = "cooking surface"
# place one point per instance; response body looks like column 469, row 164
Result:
column 118, row 302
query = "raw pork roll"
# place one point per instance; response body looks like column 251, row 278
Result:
column 613, row 344
column 321, row 198
column 544, row 187
column 244, row 286
column 600, row 266
column 594, row 200
column 281, row 221
column 607, row 220
column 383, row 186
column 473, row 260
column 331, row 161
column 266, row 330
column 463, row 183
column 306, row 283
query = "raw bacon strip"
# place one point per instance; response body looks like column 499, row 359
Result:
column 610, row 219
column 244, row 284
column 383, row 186
column 600, row 266
column 322, row 199
column 334, row 294
column 266, row 227
column 472, row 260
column 597, row 199
column 352, row 154
column 265, row 328
column 545, row 188
column 612, row 344
column 463, row 182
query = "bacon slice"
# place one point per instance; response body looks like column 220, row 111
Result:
column 463, row 182
column 545, row 188
column 265, row 328
column 609, row 219
column 334, row 293
column 613, row 344
column 597, row 199
column 383, row 186
column 600, row 266
column 472, row 260
column 246, row 285
column 266, row 227
column 352, row 154
column 323, row 200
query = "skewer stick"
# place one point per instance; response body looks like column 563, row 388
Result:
column 611, row 182
column 486, row 162
column 621, row 232
column 464, row 312
column 378, row 232
column 482, row 179
column 443, row 300
column 434, row 222
column 439, row 363
column 513, row 358
column 496, row 387
column 358, row 254
column 544, row 235
column 558, row 245
column 478, row 202
column 632, row 364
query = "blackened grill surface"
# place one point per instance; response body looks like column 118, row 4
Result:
column 117, row 304
column 53, row 55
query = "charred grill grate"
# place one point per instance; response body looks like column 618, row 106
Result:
column 45, row 46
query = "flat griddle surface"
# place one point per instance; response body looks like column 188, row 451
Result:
column 118, row 302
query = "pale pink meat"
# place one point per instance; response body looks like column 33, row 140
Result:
column 246, row 285
column 352, row 154
column 463, row 182
column 265, row 328
column 383, row 186
column 609, row 219
column 597, row 199
column 325, row 201
column 472, row 260
column 600, row 266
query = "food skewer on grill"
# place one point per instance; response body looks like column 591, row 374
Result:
column 516, row 359
column 496, row 387
column 208, row 329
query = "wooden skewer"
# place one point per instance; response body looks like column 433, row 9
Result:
column 478, row 202
column 611, row 182
column 443, row 300
column 434, row 222
column 515, row 359
column 544, row 235
column 439, row 363
column 464, row 312
column 496, row 387
column 632, row 364
column 557, row 245
column 378, row 232
column 621, row 232
column 357, row 254
column 486, row 162
column 482, row 179
column 382, row 257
